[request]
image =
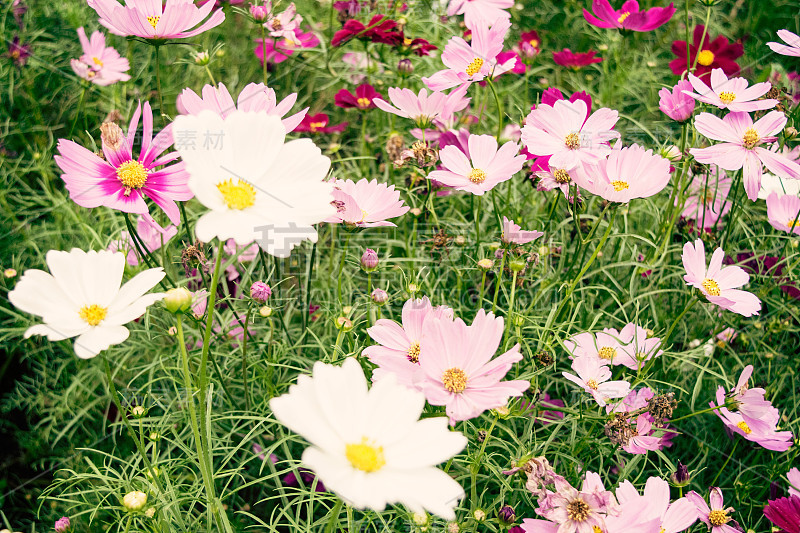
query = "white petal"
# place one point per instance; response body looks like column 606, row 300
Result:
column 98, row 339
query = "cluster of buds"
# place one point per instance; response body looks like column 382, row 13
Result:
column 420, row 154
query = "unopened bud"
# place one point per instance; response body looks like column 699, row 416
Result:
column 485, row 264
column 111, row 136
column 62, row 524
column 202, row 58
column 343, row 323
column 479, row 515
column 178, row 300
column 681, row 477
column 420, row 519
column 379, row 296
column 673, row 153
column 259, row 13
column 134, row 501
column 516, row 265
column 405, row 66
column 506, row 515
column 369, row 260
column 260, row 291
column 9, row 273
column 790, row 132
column 150, row 512
column 265, row 311
column 138, row 411
column 460, row 240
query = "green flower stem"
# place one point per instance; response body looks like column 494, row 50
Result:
column 78, row 114
column 244, row 357
column 510, row 317
column 264, row 50
column 700, row 412
column 728, row 460
column 499, row 109
column 498, row 281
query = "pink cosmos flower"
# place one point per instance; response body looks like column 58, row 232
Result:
column 717, row 516
column 398, row 349
column 575, row 60
column 629, row 17
column 529, row 44
column 478, row 11
column 152, row 234
column 242, row 253
column 559, row 508
column 255, row 97
column 157, row 21
column 555, row 178
column 514, row 234
column 366, row 204
column 421, row 108
column 563, row 132
column 791, row 39
column 784, row 513
column 380, row 29
column 676, row 103
column 319, row 124
column 593, row 377
column 630, row 172
column 673, row 517
column 605, row 346
column 121, row 182
column 457, row 369
column 741, row 146
column 794, row 479
column 707, row 199
column 486, row 167
column 731, row 93
column 503, row 58
column 285, row 24
column 720, row 285
column 639, row 349
column 278, row 50
column 99, row 64
column 473, row 61
column 363, row 99
column 783, row 212
column 547, row 416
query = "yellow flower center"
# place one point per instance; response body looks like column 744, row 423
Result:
column 365, row 456
column 620, row 185
column 474, row 67
column 363, row 103
column 132, row 175
column 718, row 517
column 622, row 17
column 477, row 175
column 239, row 195
column 288, row 43
column 153, row 21
column 407, row 42
column 93, row 314
column 711, row 287
column 596, row 529
column 534, row 43
column 744, row 427
column 572, row 141
column 578, row 510
column 97, row 61
column 607, row 352
column 455, row 380
column 793, row 223
column 413, row 352
column 314, row 126
column 705, row 57
column 727, row 97
column 592, row 384
column 750, row 138
column 561, row 176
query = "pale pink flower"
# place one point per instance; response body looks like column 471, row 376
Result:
column 642, row 441
column 366, row 204
column 564, row 132
column 741, row 147
column 673, row 517
column 794, row 479
column 283, row 25
column 557, row 178
column 707, row 199
column 630, row 172
column 422, row 108
column 457, row 369
column 559, row 507
column 717, row 516
column 637, row 348
column 152, row 234
column 473, row 61
column 477, row 11
column 99, row 64
column 593, row 377
column 121, row 182
column 783, row 212
column 399, row 345
column 791, row 39
column 606, row 346
column 731, row 93
column 720, row 285
column 485, row 167
column 514, row 234
column 675, row 103
column 157, row 21
column 255, row 97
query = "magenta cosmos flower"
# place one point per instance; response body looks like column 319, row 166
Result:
column 121, row 182
column 676, row 103
column 457, row 369
column 741, row 146
column 366, row 204
column 630, row 172
column 716, row 516
column 319, row 124
column 473, row 61
column 529, row 44
column 731, row 93
column 576, row 60
column 514, row 234
column 99, row 64
column 593, row 377
column 379, row 29
column 423, row 108
column 278, row 50
column 720, row 285
column 783, row 212
column 478, row 11
column 784, row 513
column 628, row 17
column 707, row 199
column 719, row 53
column 563, row 132
column 156, row 21
column 398, row 349
column 255, row 97
column 791, row 39
column 674, row 517
column 485, row 167
column 363, row 99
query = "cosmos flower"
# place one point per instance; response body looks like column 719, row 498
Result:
column 784, row 513
column 423, row 108
column 731, row 93
column 673, row 517
column 399, row 345
column 529, row 44
column 638, row 347
column 486, row 167
column 81, row 297
column 791, row 39
column 771, row 183
column 676, row 103
column 630, row 172
column 121, row 182
column 18, row 51
column 593, row 377
column 707, row 197
column 256, row 186
column 255, row 97
column 365, row 203
column 151, row 233
column 741, row 146
column 363, row 99
column 457, row 369
column 570, row 510
column 514, row 234
column 575, row 60
column 319, row 124
column 719, row 53
column 794, row 479
column 368, row 445
column 285, row 24
column 716, row 516
column 783, row 212
column 478, row 11
column 177, row 19
column 99, row 64
column 379, row 29
column 628, row 17
column 278, row 50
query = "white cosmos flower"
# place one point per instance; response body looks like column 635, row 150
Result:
column 771, row 183
column 81, row 297
column 368, row 445
column 257, row 187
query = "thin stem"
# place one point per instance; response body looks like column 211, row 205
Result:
column 728, row 460
column 309, row 277
column 510, row 317
column 498, row 281
column 244, row 358
column 187, row 228
column 264, row 51
column 203, row 371
column 499, row 109
column 700, row 412
column 668, row 334
column 78, row 114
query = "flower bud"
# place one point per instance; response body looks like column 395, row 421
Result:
column 150, row 512
column 343, row 323
column 420, row 518
column 265, row 311
column 379, row 296
column 259, row 13
column 460, row 240
column 416, row 211
column 178, row 300
column 138, row 411
column 452, row 527
column 260, row 292
column 681, row 477
column 405, row 67
column 506, row 515
column 485, row 264
column 790, row 132
column 672, row 153
column 479, row 515
column 369, row 260
column 62, row 524
column 134, row 501
column 519, row 321
column 202, row 58
column 413, row 288
column 516, row 265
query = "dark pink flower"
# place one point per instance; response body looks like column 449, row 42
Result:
column 568, row 58
column 784, row 513
column 278, row 51
column 719, row 53
column 363, row 98
column 529, row 44
column 379, row 30
column 319, row 124
column 18, row 52
column 628, row 17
